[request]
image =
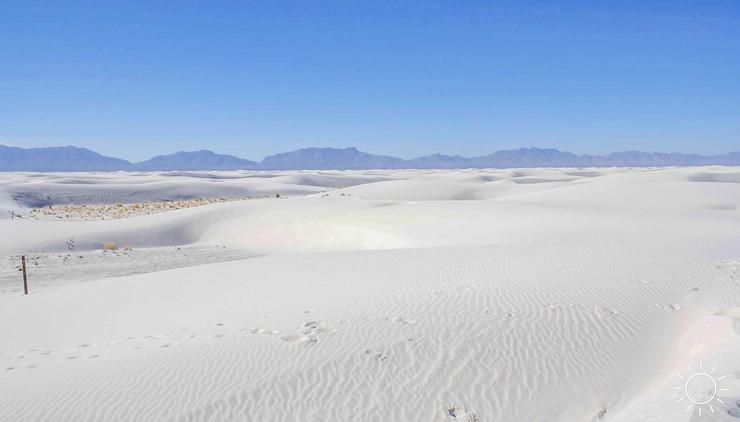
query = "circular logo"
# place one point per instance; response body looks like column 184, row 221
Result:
column 700, row 388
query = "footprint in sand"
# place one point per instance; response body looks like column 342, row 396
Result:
column 675, row 307
column 401, row 320
column 311, row 332
column 461, row 414
column 606, row 312
column 380, row 356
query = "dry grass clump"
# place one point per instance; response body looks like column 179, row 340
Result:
column 109, row 246
column 120, row 210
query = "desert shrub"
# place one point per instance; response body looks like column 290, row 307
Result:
column 109, row 246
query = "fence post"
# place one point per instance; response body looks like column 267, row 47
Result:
column 25, row 277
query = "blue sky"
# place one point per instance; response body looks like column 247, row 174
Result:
column 407, row 78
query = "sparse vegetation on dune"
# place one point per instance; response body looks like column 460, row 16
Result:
column 110, row 246
column 121, row 210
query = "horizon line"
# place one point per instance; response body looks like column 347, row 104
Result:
column 375, row 154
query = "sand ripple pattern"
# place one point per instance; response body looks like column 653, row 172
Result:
column 494, row 333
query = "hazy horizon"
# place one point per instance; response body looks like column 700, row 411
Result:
column 258, row 159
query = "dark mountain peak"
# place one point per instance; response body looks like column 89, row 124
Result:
column 329, row 158
column 527, row 157
column 195, row 160
column 64, row 158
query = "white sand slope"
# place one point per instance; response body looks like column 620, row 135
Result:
column 502, row 295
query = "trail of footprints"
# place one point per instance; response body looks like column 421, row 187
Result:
column 307, row 334
column 310, row 333
column 37, row 357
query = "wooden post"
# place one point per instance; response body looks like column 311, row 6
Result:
column 25, row 277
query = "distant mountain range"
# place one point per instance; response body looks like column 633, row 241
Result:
column 71, row 158
column 56, row 159
column 195, row 160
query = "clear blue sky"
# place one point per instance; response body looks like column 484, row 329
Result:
column 138, row 78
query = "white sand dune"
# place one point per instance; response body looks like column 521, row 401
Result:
column 488, row 295
column 39, row 189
